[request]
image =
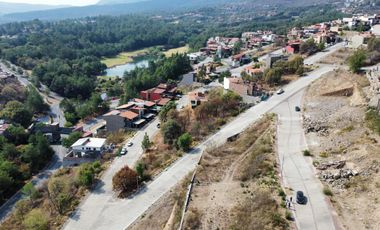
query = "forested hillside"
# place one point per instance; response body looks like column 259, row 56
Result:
column 65, row 55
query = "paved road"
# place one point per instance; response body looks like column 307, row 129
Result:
column 101, row 210
column 102, row 197
column 297, row 172
column 59, row 150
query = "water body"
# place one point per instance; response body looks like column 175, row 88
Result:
column 120, row 69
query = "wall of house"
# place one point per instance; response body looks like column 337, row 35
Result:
column 114, row 123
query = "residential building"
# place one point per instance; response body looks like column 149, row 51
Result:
column 272, row 58
column 360, row 40
column 85, row 150
column 293, row 47
column 196, row 98
column 241, row 87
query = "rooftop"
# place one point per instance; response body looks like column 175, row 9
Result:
column 129, row 115
column 90, row 142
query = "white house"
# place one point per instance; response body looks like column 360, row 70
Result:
column 89, row 145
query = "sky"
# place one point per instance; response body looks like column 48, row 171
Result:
column 55, row 2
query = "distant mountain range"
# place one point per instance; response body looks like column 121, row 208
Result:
column 108, row 7
column 113, row 2
column 8, row 8
column 120, row 7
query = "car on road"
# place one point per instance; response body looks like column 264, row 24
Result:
column 123, row 151
column 280, row 91
column 298, row 109
column 301, row 198
column 158, row 125
column 129, row 144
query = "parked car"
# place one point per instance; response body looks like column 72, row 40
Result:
column 158, row 125
column 301, row 198
column 123, row 151
column 129, row 144
column 280, row 91
column 298, row 109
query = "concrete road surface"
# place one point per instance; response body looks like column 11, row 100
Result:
column 102, row 210
column 297, row 172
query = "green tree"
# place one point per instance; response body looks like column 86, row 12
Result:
column 36, row 220
column 34, row 101
column 71, row 139
column 60, row 193
column 171, row 130
column 184, row 142
column 17, row 113
column 30, row 191
column 272, row 76
column 145, row 144
column 140, row 170
column 165, row 110
column 356, row 61
column 16, row 134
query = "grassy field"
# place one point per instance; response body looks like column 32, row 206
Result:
column 123, row 58
column 182, row 49
column 126, row 57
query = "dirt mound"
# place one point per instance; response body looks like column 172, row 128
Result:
column 346, row 92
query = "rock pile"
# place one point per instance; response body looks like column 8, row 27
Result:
column 337, row 176
column 316, row 126
column 331, row 164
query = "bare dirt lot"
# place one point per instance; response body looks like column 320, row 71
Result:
column 339, row 57
column 346, row 152
column 236, row 186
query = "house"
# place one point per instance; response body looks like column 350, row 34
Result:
column 152, row 94
column 196, row 98
column 360, row 40
column 116, row 120
column 85, row 150
column 238, row 59
column 293, row 47
column 163, row 101
column 89, row 146
column 241, row 87
column 375, row 30
column 126, row 106
column 3, row 127
column 161, row 91
column 272, row 58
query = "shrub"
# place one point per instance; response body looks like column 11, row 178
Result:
column 356, row 61
column 288, row 215
column 324, row 154
column 307, row 153
column 184, row 141
column 36, row 220
column 327, row 191
column 125, row 180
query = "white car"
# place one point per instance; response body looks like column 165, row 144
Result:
column 280, row 91
column 123, row 151
column 129, row 144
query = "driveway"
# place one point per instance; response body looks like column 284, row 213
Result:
column 297, row 172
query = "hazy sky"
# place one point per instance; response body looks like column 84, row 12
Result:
column 55, row 2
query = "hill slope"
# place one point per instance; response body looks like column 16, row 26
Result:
column 8, row 8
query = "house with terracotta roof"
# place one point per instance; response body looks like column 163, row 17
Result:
column 241, row 87
column 196, row 98
column 156, row 93
column 116, row 120
column 293, row 47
